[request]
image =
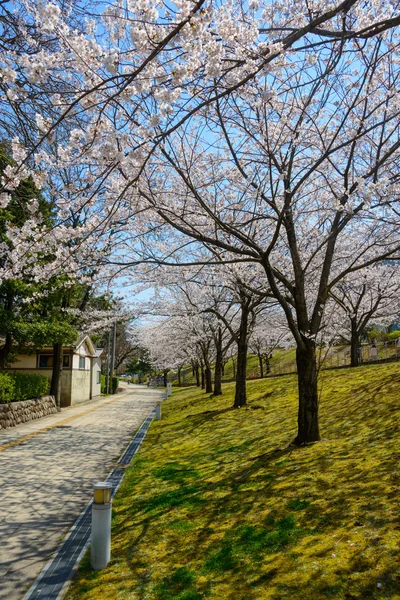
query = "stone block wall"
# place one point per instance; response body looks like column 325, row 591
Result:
column 15, row 413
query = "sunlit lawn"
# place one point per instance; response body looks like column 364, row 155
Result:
column 217, row 505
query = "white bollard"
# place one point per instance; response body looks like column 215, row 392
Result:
column 158, row 411
column 169, row 388
column 101, row 525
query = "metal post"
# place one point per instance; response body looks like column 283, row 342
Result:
column 100, row 550
column 158, row 411
column 108, row 364
column 114, row 340
column 169, row 389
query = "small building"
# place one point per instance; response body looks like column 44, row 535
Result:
column 81, row 374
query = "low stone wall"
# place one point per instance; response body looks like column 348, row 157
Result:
column 15, row 413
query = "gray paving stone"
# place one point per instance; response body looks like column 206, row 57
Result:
column 46, row 481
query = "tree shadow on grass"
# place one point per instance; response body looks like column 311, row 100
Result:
column 279, row 520
column 208, row 415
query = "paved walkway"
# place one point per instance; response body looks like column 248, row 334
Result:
column 46, row 472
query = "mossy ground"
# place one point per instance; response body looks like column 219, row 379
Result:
column 218, row 505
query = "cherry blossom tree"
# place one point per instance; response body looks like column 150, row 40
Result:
column 300, row 177
column 264, row 131
column 169, row 343
column 109, row 83
column 270, row 332
column 371, row 296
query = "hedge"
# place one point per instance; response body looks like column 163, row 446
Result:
column 114, row 383
column 7, row 388
column 15, row 387
column 30, row 386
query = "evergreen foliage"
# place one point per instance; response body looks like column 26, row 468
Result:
column 15, row 387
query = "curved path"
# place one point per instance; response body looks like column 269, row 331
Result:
column 47, row 468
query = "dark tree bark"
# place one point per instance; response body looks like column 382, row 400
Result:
column 205, row 349
column 208, row 379
column 197, row 374
column 308, row 429
column 354, row 344
column 241, row 369
column 165, row 375
column 179, row 376
column 55, row 386
column 5, row 350
column 267, row 364
column 218, row 364
column 260, row 362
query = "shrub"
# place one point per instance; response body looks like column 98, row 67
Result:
column 377, row 335
column 7, row 388
column 29, row 386
column 394, row 335
column 15, row 387
column 114, row 385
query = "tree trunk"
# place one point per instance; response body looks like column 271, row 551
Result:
column 55, row 386
column 218, row 365
column 260, row 362
column 354, row 345
column 165, row 374
column 197, row 374
column 208, row 380
column 241, row 368
column 179, row 377
column 5, row 350
column 308, row 429
column 267, row 364
column 203, row 378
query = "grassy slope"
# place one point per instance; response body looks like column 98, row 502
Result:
column 284, row 361
column 279, row 358
column 217, row 506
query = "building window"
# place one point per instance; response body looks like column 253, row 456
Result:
column 81, row 362
column 45, row 361
column 99, row 376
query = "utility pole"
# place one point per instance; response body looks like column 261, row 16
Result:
column 114, row 341
column 108, row 364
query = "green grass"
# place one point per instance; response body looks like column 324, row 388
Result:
column 218, row 504
column 281, row 360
